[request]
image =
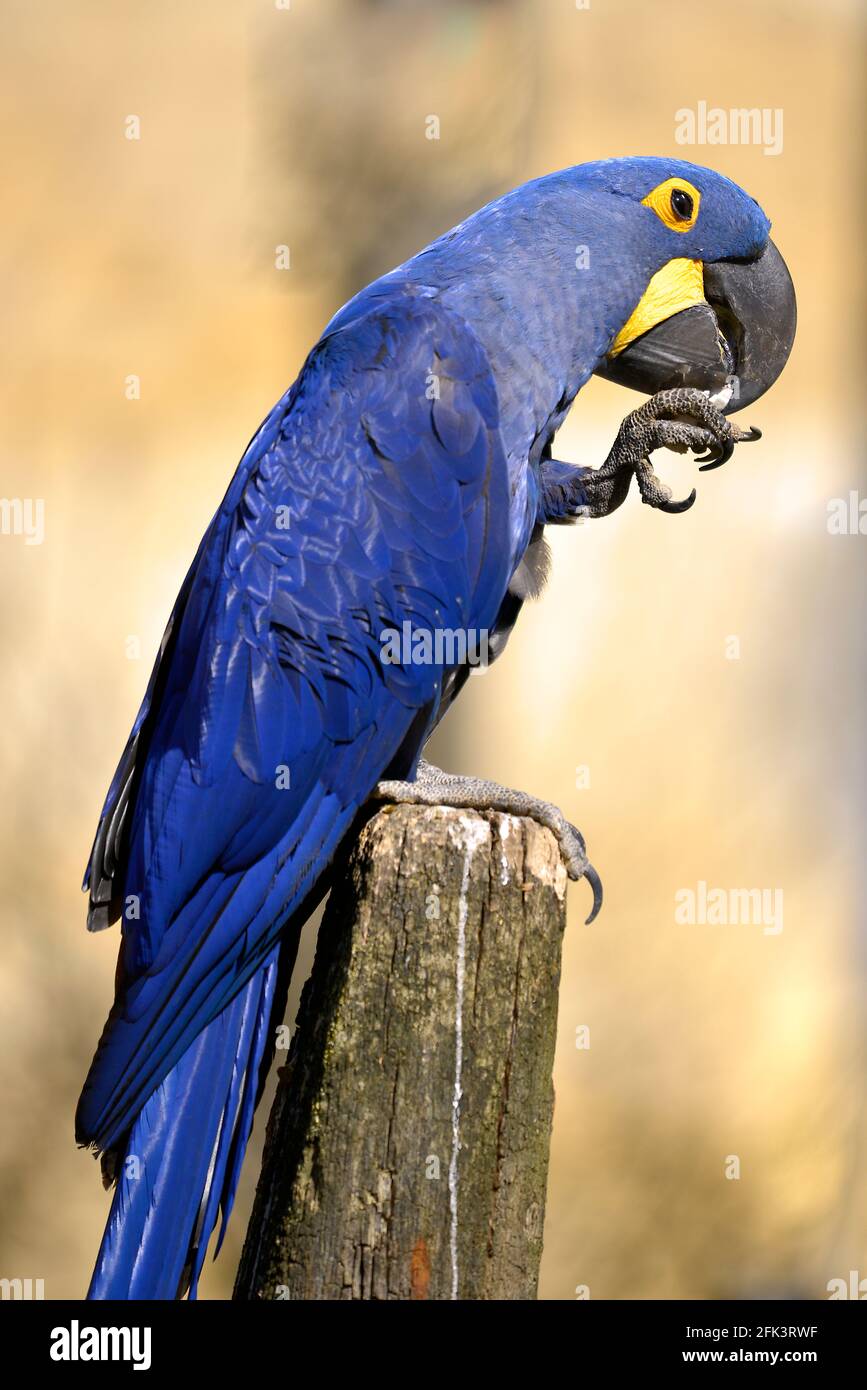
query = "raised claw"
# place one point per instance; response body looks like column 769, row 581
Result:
column 674, row 507
column 678, row 419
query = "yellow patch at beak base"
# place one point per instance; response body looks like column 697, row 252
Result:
column 678, row 285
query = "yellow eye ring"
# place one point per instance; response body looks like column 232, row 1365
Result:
column 676, row 204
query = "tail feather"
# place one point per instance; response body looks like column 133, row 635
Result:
column 183, row 1156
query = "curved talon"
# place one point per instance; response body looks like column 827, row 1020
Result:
column 596, row 884
column 715, row 459
column 724, row 455
column 674, row 507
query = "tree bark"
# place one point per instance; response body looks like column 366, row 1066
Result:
column 407, row 1149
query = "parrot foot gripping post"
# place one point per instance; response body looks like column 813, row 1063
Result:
column 433, row 787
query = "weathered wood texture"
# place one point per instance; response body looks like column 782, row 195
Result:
column 407, row 1149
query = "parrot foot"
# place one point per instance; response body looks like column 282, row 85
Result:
column 680, row 419
column 433, row 787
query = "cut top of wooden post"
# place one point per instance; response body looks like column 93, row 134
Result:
column 407, row 1150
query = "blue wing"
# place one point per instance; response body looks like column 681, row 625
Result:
column 375, row 494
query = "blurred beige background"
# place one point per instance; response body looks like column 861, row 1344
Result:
column 262, row 126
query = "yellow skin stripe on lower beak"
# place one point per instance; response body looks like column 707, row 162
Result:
column 679, row 285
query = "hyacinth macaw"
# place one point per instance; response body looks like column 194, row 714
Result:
column 406, row 477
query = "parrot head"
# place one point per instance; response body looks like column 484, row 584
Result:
column 718, row 312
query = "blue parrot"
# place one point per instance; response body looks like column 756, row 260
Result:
column 404, row 479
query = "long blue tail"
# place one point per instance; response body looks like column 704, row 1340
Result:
column 183, row 1157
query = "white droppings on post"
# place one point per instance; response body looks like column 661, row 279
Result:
column 471, row 833
column 506, row 823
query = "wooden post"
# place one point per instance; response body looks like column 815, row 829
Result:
column 407, row 1149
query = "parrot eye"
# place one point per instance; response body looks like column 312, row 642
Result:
column 676, row 204
column 681, row 204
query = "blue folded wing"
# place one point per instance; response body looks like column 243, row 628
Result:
column 375, row 495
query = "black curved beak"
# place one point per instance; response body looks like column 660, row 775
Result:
column 733, row 346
